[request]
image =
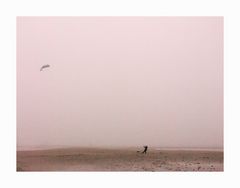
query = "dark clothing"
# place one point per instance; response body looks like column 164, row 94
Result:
column 145, row 149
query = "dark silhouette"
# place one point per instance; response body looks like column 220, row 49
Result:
column 44, row 66
column 145, row 149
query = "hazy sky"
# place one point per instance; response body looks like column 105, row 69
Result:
column 120, row 81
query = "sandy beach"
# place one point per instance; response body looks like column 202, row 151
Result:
column 91, row 159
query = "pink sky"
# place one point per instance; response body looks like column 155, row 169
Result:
column 120, row 81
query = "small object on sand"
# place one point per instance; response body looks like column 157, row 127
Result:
column 199, row 167
column 145, row 149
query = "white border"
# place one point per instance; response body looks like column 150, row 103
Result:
column 9, row 9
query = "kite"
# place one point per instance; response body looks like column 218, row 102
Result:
column 44, row 66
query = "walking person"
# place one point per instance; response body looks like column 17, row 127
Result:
column 145, row 149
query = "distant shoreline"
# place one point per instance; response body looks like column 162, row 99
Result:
column 37, row 148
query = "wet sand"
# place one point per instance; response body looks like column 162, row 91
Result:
column 90, row 159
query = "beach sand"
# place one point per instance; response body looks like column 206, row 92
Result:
column 90, row 159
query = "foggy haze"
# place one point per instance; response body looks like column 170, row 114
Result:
column 120, row 81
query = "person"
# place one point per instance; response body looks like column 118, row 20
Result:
column 145, row 149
